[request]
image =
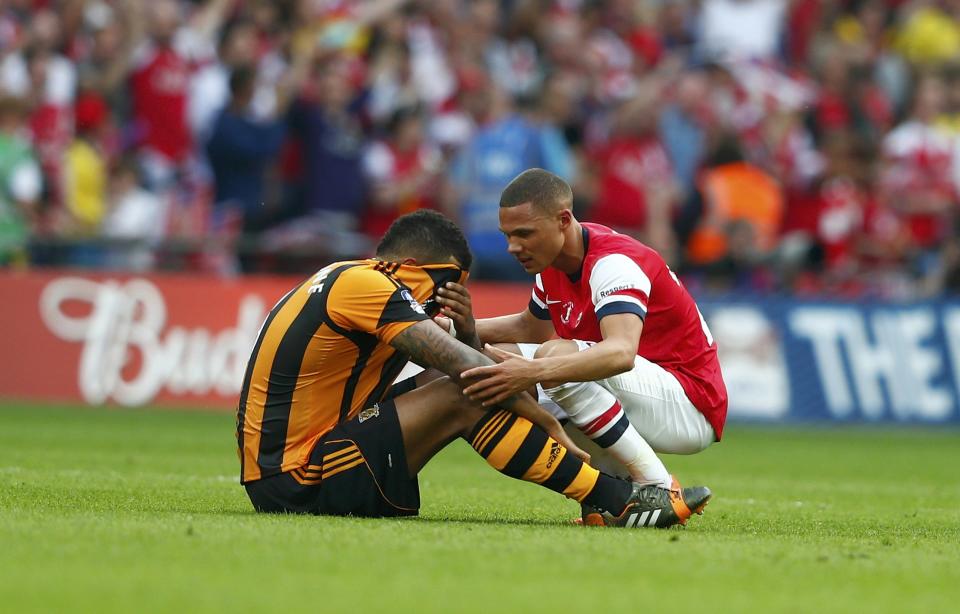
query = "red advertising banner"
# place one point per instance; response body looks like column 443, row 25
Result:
column 166, row 339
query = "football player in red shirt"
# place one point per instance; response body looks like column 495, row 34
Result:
column 635, row 368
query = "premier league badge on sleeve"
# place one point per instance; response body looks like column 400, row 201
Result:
column 416, row 306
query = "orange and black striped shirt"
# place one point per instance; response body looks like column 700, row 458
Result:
column 323, row 355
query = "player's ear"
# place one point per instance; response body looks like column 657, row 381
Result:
column 409, row 261
column 565, row 217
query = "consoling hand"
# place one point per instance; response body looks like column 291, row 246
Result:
column 496, row 383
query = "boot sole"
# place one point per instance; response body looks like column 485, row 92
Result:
column 699, row 509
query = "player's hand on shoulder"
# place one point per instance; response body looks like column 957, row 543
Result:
column 458, row 307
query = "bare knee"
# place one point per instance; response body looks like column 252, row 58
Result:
column 428, row 375
column 513, row 348
column 460, row 412
column 555, row 347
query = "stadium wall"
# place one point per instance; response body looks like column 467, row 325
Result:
column 183, row 340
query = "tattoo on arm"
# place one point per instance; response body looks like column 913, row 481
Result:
column 473, row 342
column 428, row 346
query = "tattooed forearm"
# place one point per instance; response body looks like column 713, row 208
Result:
column 428, row 346
column 472, row 341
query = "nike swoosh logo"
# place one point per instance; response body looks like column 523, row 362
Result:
column 549, row 302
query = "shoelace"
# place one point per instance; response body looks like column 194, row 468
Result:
column 654, row 496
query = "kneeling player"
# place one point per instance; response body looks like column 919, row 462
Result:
column 320, row 430
column 635, row 367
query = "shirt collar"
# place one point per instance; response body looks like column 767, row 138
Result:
column 575, row 277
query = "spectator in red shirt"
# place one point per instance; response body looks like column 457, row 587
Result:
column 404, row 172
column 917, row 178
column 636, row 192
column 159, row 91
column 861, row 241
column 51, row 124
column 160, row 81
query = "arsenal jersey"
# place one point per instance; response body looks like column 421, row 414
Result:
column 621, row 275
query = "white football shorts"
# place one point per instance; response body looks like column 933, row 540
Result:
column 654, row 402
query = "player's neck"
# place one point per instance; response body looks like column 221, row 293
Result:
column 571, row 256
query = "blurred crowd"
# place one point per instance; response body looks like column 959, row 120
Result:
column 761, row 145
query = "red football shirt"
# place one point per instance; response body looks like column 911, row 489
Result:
column 159, row 85
column 629, row 166
column 621, row 275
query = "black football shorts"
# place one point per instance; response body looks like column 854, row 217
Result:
column 359, row 468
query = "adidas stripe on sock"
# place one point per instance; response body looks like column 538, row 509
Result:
column 518, row 448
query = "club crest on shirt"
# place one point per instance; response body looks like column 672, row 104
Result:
column 566, row 310
column 370, row 412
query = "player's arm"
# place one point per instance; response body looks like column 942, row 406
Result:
column 620, row 292
column 427, row 345
column 521, row 327
column 611, row 356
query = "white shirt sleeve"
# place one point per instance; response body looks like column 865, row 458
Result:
column 538, row 305
column 619, row 285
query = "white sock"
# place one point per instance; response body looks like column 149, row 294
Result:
column 599, row 416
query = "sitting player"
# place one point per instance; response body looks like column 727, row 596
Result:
column 598, row 291
column 319, row 428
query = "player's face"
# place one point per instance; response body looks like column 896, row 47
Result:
column 533, row 238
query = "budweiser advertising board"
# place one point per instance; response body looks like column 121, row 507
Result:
column 164, row 339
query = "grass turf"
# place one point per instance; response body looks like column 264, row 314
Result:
column 116, row 510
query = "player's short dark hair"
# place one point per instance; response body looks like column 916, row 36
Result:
column 426, row 235
column 544, row 190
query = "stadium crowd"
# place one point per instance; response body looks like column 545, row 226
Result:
column 760, row 145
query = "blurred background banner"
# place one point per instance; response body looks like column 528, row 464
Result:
column 789, row 359
column 167, row 339
column 171, row 339
column 183, row 340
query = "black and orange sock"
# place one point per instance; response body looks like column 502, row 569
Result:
column 518, row 448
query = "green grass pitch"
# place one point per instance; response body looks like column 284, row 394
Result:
column 130, row 511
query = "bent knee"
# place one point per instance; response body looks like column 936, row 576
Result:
column 454, row 406
column 686, row 448
column 451, row 393
column 683, row 445
column 556, row 347
column 527, row 350
column 513, row 348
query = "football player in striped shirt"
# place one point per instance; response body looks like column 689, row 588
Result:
column 321, row 430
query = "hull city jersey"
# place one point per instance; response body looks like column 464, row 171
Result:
column 324, row 354
column 621, row 275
